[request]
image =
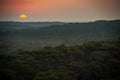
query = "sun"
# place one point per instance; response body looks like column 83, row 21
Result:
column 23, row 16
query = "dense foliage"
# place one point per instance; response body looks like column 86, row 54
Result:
column 98, row 60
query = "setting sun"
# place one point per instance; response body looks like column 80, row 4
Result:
column 23, row 16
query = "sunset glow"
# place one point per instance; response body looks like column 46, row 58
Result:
column 60, row 10
column 23, row 16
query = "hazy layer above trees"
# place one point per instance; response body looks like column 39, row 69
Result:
column 33, row 35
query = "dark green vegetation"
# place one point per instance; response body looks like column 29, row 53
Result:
column 90, row 51
column 27, row 35
column 96, row 60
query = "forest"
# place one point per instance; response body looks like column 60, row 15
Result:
column 25, row 35
column 94, row 60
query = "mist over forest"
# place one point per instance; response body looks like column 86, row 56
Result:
column 60, row 50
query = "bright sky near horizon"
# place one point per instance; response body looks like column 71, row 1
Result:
column 59, row 10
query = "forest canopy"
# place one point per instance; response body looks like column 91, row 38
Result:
column 95, row 60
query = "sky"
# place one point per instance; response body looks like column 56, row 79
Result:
column 59, row 10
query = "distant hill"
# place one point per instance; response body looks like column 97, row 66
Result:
column 26, row 25
column 27, row 36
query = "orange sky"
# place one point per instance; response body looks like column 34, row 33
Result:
column 59, row 10
column 39, row 5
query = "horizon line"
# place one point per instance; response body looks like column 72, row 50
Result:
column 62, row 21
